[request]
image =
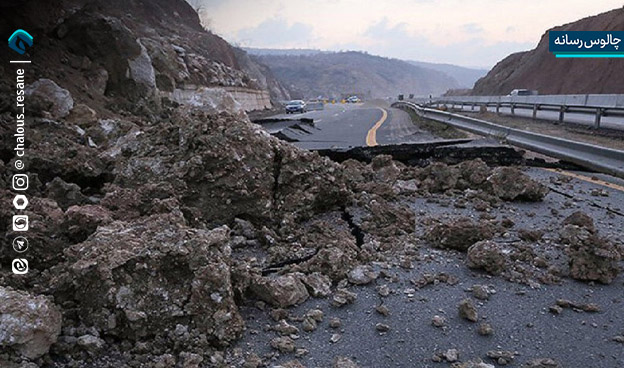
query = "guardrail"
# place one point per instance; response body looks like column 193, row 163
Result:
column 593, row 157
column 597, row 105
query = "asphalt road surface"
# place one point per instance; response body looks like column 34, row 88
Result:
column 519, row 313
column 351, row 125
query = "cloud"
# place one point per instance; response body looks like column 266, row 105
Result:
column 275, row 32
column 396, row 40
column 472, row 28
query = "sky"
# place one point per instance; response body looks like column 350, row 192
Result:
column 475, row 33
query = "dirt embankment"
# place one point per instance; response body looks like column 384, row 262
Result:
column 539, row 70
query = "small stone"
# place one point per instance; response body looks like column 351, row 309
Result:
column 281, row 291
column 555, row 309
column 438, row 321
column 252, row 361
column 292, row 364
column 480, row 292
column 335, row 338
column 485, row 329
column 383, row 310
column 343, row 362
column 315, row 314
column 362, row 275
column 342, row 297
column 451, row 355
column 279, row 314
column 283, row 344
column 502, row 357
column 381, row 327
column 591, row 308
column 541, row 363
column 285, row 329
column 335, row 322
column 318, row 285
column 91, row 343
column 309, row 324
column 486, row 255
column 383, row 290
column 468, row 311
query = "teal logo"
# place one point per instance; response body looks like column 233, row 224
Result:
column 19, row 40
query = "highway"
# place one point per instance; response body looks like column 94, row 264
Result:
column 518, row 312
column 352, row 125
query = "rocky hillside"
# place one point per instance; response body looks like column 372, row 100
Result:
column 131, row 53
column 538, row 69
column 344, row 73
column 465, row 77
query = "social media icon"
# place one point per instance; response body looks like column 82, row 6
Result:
column 20, row 266
column 20, row 223
column 20, row 182
column 19, row 40
column 20, row 244
column 20, row 201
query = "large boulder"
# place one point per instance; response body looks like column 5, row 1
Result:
column 459, row 233
column 486, row 255
column 141, row 278
column 29, row 324
column 591, row 257
column 46, row 97
column 281, row 291
column 511, row 184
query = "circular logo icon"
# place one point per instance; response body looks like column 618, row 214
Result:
column 20, row 244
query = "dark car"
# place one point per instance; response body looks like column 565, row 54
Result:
column 296, row 106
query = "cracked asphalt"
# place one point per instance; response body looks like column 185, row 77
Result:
column 518, row 312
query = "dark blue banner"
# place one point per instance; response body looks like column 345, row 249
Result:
column 586, row 43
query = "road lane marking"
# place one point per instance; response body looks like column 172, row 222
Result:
column 371, row 137
column 587, row 179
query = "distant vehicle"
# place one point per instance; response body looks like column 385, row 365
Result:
column 522, row 92
column 353, row 99
column 296, row 106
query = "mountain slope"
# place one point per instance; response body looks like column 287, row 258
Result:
column 466, row 77
column 342, row 73
column 538, row 69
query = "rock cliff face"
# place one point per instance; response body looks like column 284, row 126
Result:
column 131, row 54
column 538, row 69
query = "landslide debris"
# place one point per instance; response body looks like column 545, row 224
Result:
column 161, row 221
column 591, row 257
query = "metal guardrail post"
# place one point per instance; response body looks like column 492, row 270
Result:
column 599, row 113
column 535, row 108
column 513, row 109
column 562, row 110
column 498, row 107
